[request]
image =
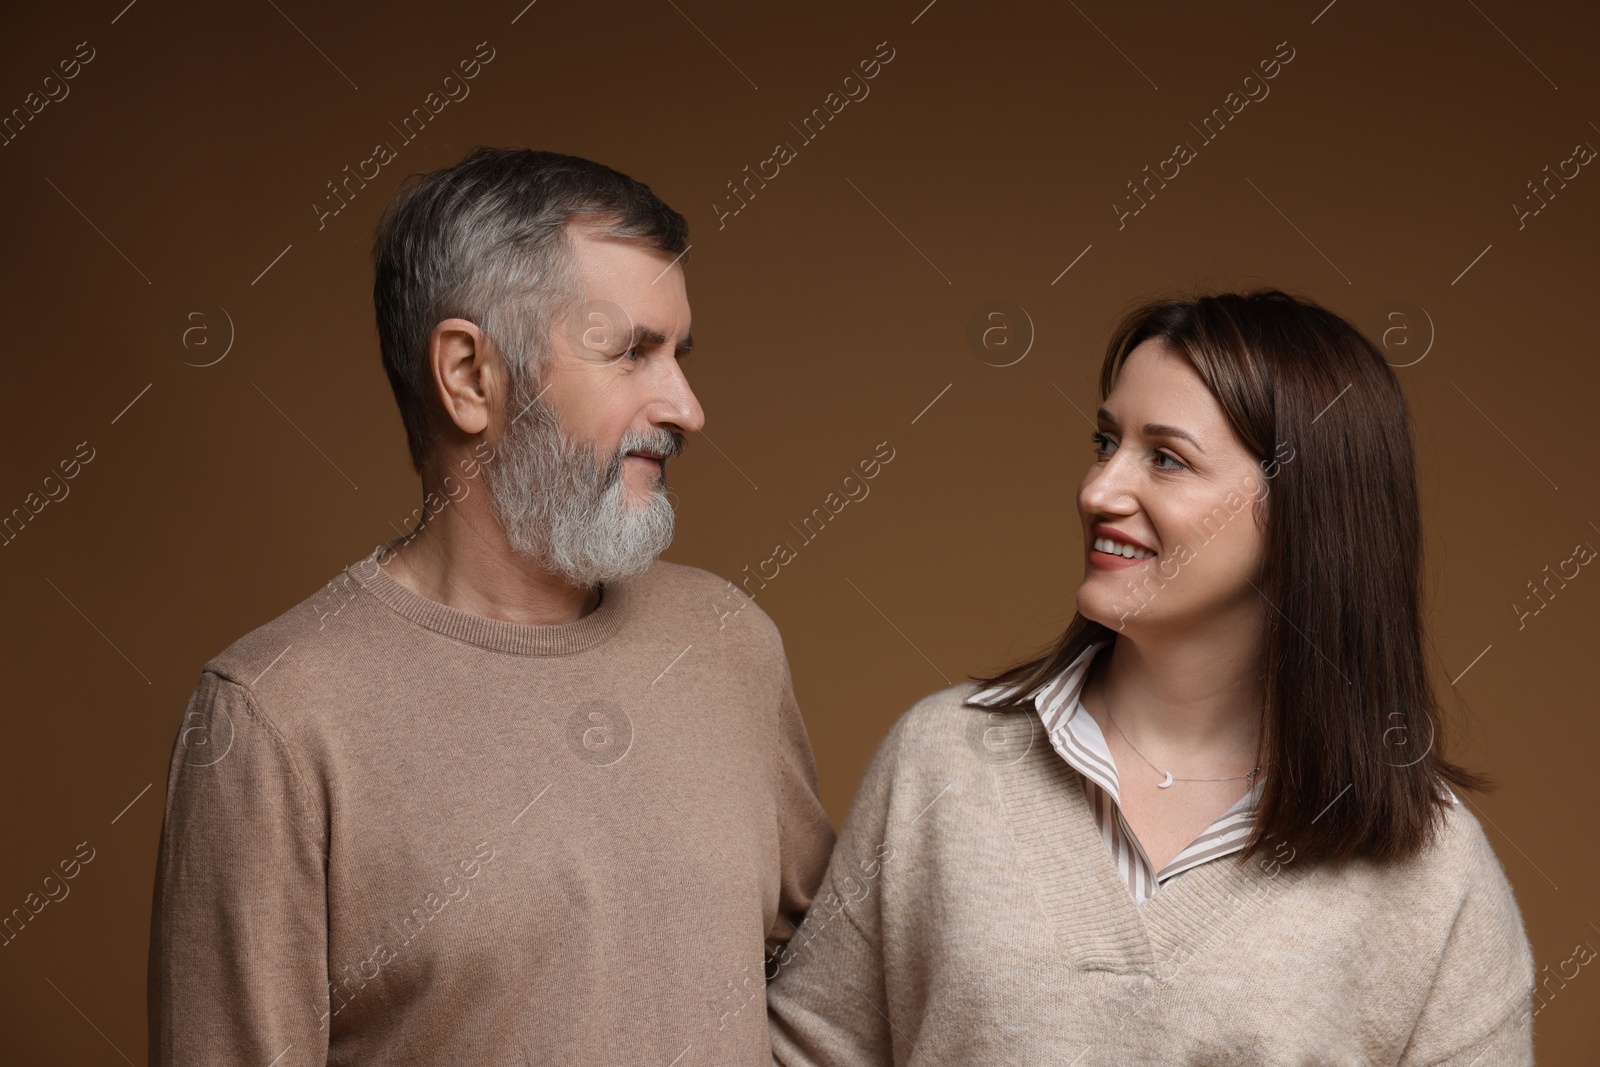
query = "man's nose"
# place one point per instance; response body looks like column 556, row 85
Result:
column 677, row 404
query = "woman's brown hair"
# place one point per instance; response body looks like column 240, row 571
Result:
column 1351, row 732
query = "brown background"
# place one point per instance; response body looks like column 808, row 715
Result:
column 827, row 315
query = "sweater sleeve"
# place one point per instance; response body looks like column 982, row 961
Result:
column 805, row 835
column 827, row 1000
column 1479, row 1009
column 238, row 943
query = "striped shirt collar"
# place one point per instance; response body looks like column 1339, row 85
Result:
column 1077, row 738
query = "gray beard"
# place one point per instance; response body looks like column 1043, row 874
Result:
column 564, row 509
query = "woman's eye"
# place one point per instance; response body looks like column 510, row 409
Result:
column 1177, row 465
column 1104, row 446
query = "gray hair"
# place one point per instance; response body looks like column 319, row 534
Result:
column 486, row 240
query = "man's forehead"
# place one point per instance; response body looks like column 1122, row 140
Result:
column 636, row 291
column 628, row 263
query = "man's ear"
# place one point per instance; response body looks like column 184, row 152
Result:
column 466, row 379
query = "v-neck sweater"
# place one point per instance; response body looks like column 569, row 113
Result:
column 972, row 914
column 1075, row 735
column 398, row 832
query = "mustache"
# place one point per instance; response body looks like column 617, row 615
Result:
column 662, row 441
column 667, row 444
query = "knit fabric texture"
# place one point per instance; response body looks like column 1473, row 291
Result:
column 397, row 832
column 972, row 915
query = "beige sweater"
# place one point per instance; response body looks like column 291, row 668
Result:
column 400, row 833
column 972, row 915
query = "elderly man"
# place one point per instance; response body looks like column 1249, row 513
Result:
column 508, row 790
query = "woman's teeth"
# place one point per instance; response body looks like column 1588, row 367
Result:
column 1116, row 548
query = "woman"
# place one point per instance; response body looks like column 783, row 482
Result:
column 1214, row 823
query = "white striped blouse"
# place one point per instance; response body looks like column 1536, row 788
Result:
column 1077, row 738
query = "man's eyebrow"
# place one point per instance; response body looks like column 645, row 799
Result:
column 1156, row 429
column 649, row 335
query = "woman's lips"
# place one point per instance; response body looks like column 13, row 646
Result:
column 1108, row 561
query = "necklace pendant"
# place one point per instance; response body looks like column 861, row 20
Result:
column 1168, row 783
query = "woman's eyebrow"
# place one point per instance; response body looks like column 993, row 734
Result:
column 1156, row 429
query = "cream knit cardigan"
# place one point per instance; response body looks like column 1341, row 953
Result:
column 971, row 915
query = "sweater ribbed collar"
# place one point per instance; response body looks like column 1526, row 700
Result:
column 497, row 635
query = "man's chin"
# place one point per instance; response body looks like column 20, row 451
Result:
column 641, row 490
